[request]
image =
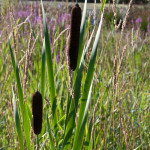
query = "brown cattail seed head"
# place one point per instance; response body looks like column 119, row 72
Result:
column 37, row 112
column 74, row 36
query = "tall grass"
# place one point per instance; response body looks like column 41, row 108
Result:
column 103, row 104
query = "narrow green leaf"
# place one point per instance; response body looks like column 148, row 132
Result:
column 17, row 121
column 43, row 72
column 29, row 112
column 82, row 27
column 88, row 137
column 69, row 122
column 16, row 71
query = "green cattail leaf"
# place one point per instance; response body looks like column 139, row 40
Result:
column 70, row 114
column 88, row 137
column 50, row 73
column 81, row 131
column 26, row 123
column 17, row 121
column 43, row 72
column 16, row 71
column 82, row 27
column 29, row 111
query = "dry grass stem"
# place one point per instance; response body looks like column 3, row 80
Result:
column 40, row 21
column 115, row 12
column 126, row 17
column 61, row 35
column 27, row 64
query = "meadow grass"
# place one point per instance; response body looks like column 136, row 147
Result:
column 103, row 104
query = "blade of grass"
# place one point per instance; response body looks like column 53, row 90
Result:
column 88, row 137
column 17, row 121
column 29, row 111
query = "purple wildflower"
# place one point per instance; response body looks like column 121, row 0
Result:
column 132, row 21
column 138, row 20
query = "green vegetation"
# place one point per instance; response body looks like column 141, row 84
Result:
column 103, row 104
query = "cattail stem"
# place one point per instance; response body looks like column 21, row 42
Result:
column 37, row 143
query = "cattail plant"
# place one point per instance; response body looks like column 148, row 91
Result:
column 37, row 112
column 74, row 36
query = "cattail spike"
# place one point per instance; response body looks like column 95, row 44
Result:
column 37, row 112
column 74, row 36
